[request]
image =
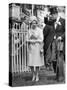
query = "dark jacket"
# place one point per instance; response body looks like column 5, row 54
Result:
column 49, row 32
column 60, row 28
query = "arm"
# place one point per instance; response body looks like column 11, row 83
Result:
column 45, row 31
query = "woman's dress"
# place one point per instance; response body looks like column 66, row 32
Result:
column 34, row 48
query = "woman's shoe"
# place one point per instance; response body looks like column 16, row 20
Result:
column 33, row 78
column 37, row 78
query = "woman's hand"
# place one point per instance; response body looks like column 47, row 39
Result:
column 31, row 41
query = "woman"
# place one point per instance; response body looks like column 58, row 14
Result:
column 35, row 40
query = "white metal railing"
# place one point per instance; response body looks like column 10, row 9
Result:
column 19, row 51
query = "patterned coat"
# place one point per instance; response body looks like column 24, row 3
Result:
column 35, row 41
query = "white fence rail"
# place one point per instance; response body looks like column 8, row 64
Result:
column 19, row 52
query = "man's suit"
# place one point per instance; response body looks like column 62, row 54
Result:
column 49, row 32
column 60, row 29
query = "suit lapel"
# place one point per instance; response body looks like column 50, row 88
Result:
column 57, row 24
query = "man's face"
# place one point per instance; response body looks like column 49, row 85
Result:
column 55, row 16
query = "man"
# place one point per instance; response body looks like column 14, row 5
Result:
column 51, row 31
column 59, row 29
column 48, row 34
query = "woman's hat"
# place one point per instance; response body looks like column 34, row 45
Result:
column 32, row 18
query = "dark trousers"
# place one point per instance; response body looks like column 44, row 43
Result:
column 60, row 67
column 54, row 65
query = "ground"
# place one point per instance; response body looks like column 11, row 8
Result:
column 25, row 79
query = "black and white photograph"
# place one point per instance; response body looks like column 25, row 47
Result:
column 36, row 44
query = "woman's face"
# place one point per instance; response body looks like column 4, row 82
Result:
column 34, row 24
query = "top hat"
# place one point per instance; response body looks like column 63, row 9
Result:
column 53, row 10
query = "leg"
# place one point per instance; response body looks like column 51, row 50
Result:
column 50, row 66
column 54, row 66
column 37, row 73
column 45, row 62
column 60, row 73
column 33, row 73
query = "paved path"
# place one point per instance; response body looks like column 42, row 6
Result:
column 24, row 79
